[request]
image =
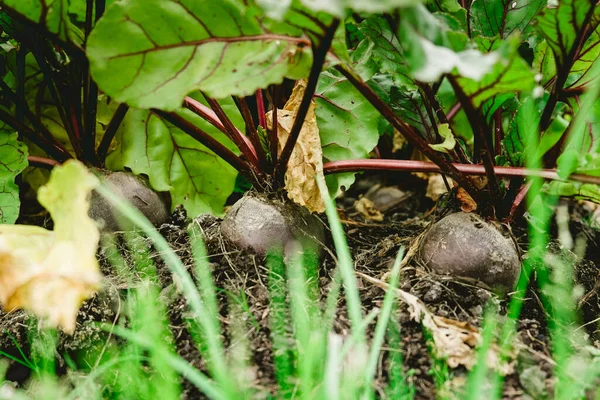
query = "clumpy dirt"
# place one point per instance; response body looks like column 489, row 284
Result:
column 241, row 279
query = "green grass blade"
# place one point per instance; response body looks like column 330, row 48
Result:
column 344, row 259
column 217, row 362
column 282, row 351
column 477, row 379
column 201, row 381
column 381, row 327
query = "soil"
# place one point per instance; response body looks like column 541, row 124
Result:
column 239, row 274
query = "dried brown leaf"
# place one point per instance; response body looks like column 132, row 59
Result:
column 436, row 186
column 454, row 341
column 367, row 209
column 306, row 160
column 467, row 204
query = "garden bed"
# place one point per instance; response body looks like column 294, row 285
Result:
column 244, row 300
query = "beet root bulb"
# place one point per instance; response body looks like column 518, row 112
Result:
column 133, row 189
column 465, row 245
column 261, row 224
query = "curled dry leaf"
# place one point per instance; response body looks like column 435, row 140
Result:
column 467, row 203
column 50, row 273
column 367, row 209
column 306, row 160
column 454, row 341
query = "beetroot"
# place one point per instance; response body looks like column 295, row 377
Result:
column 466, row 245
column 264, row 223
column 133, row 189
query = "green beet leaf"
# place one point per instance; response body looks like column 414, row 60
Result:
column 580, row 75
column 340, row 7
column 385, row 47
column 14, row 160
column 174, row 162
column 151, row 53
column 348, row 125
column 509, row 74
column 562, row 26
column 504, row 17
column 50, row 15
column 544, row 63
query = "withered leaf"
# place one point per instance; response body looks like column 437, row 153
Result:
column 306, row 160
column 50, row 273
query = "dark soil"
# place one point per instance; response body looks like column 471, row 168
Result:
column 241, row 278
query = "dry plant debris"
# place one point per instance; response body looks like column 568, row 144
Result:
column 306, row 161
column 50, row 273
column 454, row 341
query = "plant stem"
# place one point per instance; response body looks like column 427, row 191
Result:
column 61, row 153
column 110, row 132
column 412, row 136
column 42, row 162
column 514, row 186
column 205, row 113
column 211, row 117
column 251, row 130
column 335, row 167
column 453, row 111
column 237, row 137
column 90, row 105
column 274, row 134
column 89, row 132
column 521, row 195
column 319, row 55
column 480, row 129
column 39, row 140
column 457, row 153
column 63, row 108
column 499, row 134
column 260, row 106
column 210, row 142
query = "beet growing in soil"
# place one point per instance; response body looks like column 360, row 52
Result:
column 244, row 301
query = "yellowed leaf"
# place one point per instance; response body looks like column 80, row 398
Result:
column 306, row 160
column 367, row 209
column 50, row 273
column 436, row 186
column 398, row 141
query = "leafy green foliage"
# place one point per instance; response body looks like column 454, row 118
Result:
column 174, row 161
column 51, row 15
column 510, row 74
column 502, row 82
column 174, row 47
column 339, row 7
column 503, row 17
column 348, row 125
column 450, row 75
column 579, row 75
column 14, row 160
column 563, row 26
